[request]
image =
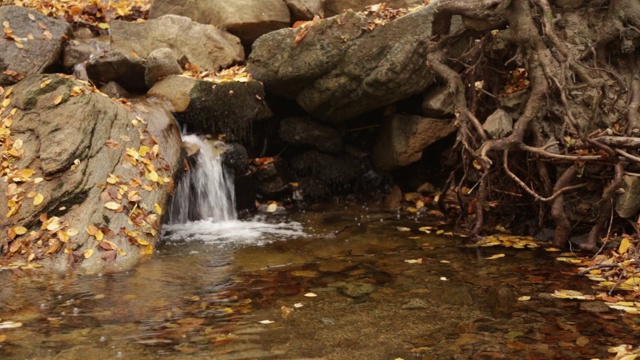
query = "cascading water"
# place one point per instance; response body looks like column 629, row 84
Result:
column 203, row 207
column 206, row 192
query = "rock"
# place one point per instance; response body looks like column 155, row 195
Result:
column 335, row 7
column 75, row 52
column 128, row 71
column 628, row 203
column 114, row 90
column 21, row 56
column 499, row 124
column 357, row 289
column 74, row 153
column 594, row 306
column 228, row 108
column 236, row 159
column 161, row 63
column 501, row 301
column 393, row 201
column 417, row 304
column 246, row 19
column 438, row 103
column 305, row 9
column 304, row 131
column 340, row 69
column 270, row 182
column 402, row 138
column 205, row 46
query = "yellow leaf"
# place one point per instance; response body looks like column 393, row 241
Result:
column 58, row 99
column 272, row 207
column 152, row 176
column 524, row 298
column 112, row 205
column 37, row 200
column 157, row 208
column 72, row 232
column 625, row 244
column 92, row 230
column 20, row 230
column 88, row 253
column 6, row 102
column 63, row 236
column 147, row 250
column 38, row 180
column 142, row 242
column 112, row 179
column 143, row 150
column 496, row 256
column 76, row 162
column 121, row 252
column 99, row 235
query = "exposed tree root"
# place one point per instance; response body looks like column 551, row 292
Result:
column 579, row 125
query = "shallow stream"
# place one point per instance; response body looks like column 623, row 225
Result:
column 338, row 281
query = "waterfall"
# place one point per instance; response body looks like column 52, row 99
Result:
column 206, row 191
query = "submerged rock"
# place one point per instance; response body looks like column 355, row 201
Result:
column 90, row 179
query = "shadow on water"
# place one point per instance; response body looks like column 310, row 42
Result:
column 380, row 293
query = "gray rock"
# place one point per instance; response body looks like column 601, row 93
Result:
column 114, row 90
column 247, row 19
column 75, row 52
column 417, row 304
column 304, row 131
column 438, row 102
column 305, row 9
column 205, row 46
column 334, row 7
column 29, row 56
column 228, row 108
column 161, row 63
column 499, row 124
column 357, row 289
column 126, row 70
column 628, row 203
column 64, row 127
column 402, row 138
column 340, row 69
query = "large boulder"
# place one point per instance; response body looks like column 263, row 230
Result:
column 31, row 44
column 341, row 67
column 205, row 46
column 305, row 9
column 86, row 177
column 124, row 69
column 228, row 107
column 402, row 138
column 247, row 19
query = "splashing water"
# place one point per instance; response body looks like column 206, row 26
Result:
column 204, row 209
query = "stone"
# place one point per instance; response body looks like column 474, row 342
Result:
column 438, row 103
column 114, row 90
column 499, row 124
column 335, row 7
column 340, row 69
column 628, row 202
column 205, row 46
column 128, row 71
column 417, row 304
column 228, row 108
column 356, row 289
column 304, row 131
column 402, row 138
column 246, row 19
column 305, row 9
column 74, row 139
column 334, row 171
column 161, row 63
column 501, row 301
column 75, row 52
column 19, row 58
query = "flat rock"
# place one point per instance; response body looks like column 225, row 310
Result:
column 205, row 46
column 247, row 19
column 22, row 56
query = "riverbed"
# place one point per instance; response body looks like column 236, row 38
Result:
column 340, row 280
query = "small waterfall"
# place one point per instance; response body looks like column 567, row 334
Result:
column 206, row 192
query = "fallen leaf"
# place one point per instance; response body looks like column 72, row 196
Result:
column 524, row 298
column 157, row 208
column 58, row 99
column 297, row 305
column 37, row 200
column 88, row 253
column 272, row 207
column 625, row 244
column 20, row 230
column 413, row 261
column 496, row 256
column 112, row 205
column 266, row 322
column 310, row 294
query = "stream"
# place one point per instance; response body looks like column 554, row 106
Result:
column 355, row 283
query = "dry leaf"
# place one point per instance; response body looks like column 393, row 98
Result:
column 496, row 256
column 88, row 253
column 58, row 99
column 112, row 205
column 37, row 200
column 20, row 230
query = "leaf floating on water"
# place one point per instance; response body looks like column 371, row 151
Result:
column 413, row 261
column 403, row 228
column 552, row 249
column 571, row 294
column 445, row 261
column 444, row 278
column 286, row 311
column 10, row 325
column 524, row 298
column 310, row 294
column 493, row 257
column 426, row 229
column 297, row 305
column 266, row 322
